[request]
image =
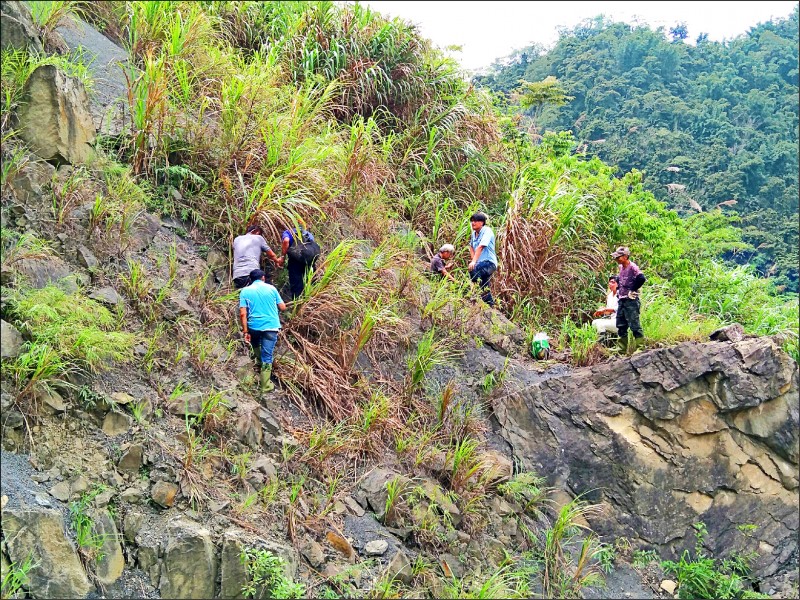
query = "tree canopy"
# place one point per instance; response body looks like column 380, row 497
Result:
column 710, row 125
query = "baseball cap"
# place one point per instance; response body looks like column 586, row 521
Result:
column 621, row 251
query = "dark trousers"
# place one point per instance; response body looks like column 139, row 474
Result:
column 483, row 273
column 628, row 318
column 240, row 282
column 297, row 276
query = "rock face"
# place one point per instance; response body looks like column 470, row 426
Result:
column 39, row 533
column 189, row 569
column 106, row 62
column 111, row 561
column 697, row 432
column 10, row 340
column 55, row 119
column 17, row 31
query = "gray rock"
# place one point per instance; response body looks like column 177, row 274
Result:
column 106, row 295
column 190, row 404
column 730, row 333
column 78, row 487
column 269, row 422
column 666, row 438
column 354, row 506
column 312, row 552
column 233, row 572
column 39, row 272
column 131, row 525
column 217, row 260
column 54, row 118
column 265, row 465
column 104, row 498
column 17, row 30
column 51, row 402
column 400, row 568
column 116, row 423
column 30, row 184
column 105, row 61
column 86, row 258
column 60, row 491
column 189, row 567
column 111, row 561
column 163, row 493
column 372, row 491
column 131, row 459
column 10, row 340
column 147, row 559
column 248, row 429
column 376, row 547
column 455, row 565
column 176, row 307
column 39, row 534
column 132, row 495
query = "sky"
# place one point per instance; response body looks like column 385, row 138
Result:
column 491, row 30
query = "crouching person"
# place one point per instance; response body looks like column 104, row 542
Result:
column 259, row 304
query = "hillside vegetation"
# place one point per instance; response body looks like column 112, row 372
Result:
column 281, row 111
column 711, row 124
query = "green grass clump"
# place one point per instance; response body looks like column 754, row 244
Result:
column 265, row 574
column 66, row 333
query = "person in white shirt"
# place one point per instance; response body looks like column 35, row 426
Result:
column 606, row 318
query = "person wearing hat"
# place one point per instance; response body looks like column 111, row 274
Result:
column 631, row 279
column 247, row 251
column 259, row 304
column 438, row 262
column 483, row 259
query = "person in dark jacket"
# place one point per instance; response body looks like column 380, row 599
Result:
column 631, row 280
column 297, row 269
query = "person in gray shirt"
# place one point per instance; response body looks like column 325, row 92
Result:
column 247, row 251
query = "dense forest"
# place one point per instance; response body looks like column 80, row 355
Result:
column 711, row 125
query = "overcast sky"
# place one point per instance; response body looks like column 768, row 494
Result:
column 491, row 30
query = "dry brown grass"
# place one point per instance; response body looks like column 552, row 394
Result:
column 534, row 264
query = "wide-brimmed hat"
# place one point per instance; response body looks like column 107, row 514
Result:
column 621, row 251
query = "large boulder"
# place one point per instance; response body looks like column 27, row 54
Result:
column 39, row 272
column 10, row 340
column 106, row 62
column 189, row 569
column 233, row 574
column 39, row 534
column 54, row 119
column 697, row 432
column 110, row 561
column 17, row 31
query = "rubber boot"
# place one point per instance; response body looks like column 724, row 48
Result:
column 637, row 345
column 266, row 383
column 623, row 345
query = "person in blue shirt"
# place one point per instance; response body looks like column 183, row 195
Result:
column 259, row 304
column 483, row 260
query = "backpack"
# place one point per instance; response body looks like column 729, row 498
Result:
column 304, row 252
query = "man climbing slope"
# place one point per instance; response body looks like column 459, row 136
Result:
column 259, row 303
column 483, row 260
column 631, row 279
column 247, row 251
column 301, row 251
